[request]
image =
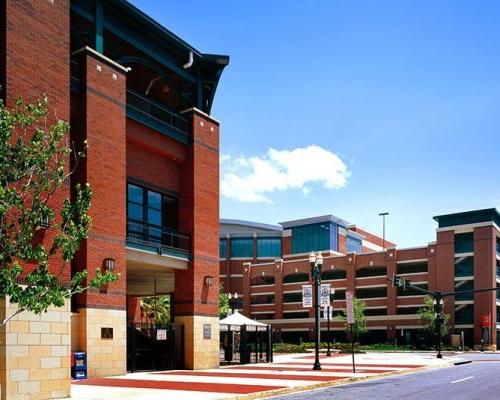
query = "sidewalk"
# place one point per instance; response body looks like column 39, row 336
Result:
column 288, row 372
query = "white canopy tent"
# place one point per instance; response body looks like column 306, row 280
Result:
column 236, row 320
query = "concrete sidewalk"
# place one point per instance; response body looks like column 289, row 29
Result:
column 289, row 372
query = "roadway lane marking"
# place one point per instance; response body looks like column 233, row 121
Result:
column 463, row 379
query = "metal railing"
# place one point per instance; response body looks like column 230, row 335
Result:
column 158, row 237
column 158, row 114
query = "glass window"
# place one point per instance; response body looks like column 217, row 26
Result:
column 371, row 271
column 333, row 274
column 135, row 212
column 353, row 245
column 269, row 247
column 154, row 217
column 298, row 277
column 314, row 237
column 372, row 292
column 223, row 248
column 242, row 247
column 412, row 268
column 154, row 200
column 464, row 266
column 135, row 194
column 464, row 242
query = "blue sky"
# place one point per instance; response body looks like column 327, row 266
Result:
column 402, row 97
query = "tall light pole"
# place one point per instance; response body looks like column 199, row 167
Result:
column 383, row 214
column 316, row 262
column 233, row 301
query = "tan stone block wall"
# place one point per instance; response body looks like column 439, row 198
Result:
column 35, row 353
column 105, row 357
column 200, row 353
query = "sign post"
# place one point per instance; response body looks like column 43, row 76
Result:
column 350, row 320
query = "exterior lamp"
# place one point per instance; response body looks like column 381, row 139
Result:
column 109, row 264
column 44, row 222
column 316, row 261
column 208, row 281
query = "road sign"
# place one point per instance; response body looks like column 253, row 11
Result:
column 349, row 307
column 307, row 296
column 325, row 295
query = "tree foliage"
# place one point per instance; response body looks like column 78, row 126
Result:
column 33, row 166
column 223, row 302
column 428, row 316
column 359, row 326
column 156, row 308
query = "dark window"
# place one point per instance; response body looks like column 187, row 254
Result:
column 298, row 314
column 263, row 316
column 222, row 248
column 375, row 311
column 410, row 291
column 464, row 314
column 464, row 285
column 292, row 297
column 412, row 268
column 262, row 299
column 407, row 310
column 338, row 295
column 373, row 292
column 262, row 280
column 371, row 271
column 464, row 266
column 298, row 277
column 269, row 247
column 242, row 247
column 333, row 274
column 464, row 242
column 314, row 237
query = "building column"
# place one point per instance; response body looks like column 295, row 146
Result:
column 196, row 303
column 485, row 277
column 246, row 288
column 100, row 119
column 278, row 289
column 445, row 269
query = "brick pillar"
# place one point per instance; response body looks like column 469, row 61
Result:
column 35, row 61
column 342, row 248
column 391, row 290
column 445, row 269
column 102, row 123
column 246, row 288
column 196, row 305
column 278, row 289
column 350, row 266
column 228, row 265
column 432, row 267
column 286, row 242
column 485, row 277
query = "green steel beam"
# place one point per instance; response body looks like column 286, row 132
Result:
column 99, row 26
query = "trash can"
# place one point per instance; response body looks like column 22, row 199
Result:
column 79, row 365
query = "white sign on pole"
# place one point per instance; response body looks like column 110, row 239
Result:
column 325, row 295
column 349, row 307
column 325, row 312
column 307, row 296
column 161, row 334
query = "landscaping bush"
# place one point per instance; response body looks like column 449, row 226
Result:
column 289, row 348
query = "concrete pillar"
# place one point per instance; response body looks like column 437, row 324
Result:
column 196, row 304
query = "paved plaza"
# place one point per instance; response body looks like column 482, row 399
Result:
column 287, row 373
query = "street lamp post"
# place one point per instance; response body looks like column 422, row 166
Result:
column 233, row 300
column 316, row 262
column 328, row 352
column 383, row 214
column 438, row 309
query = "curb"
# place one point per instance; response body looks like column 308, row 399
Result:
column 339, row 382
column 463, row 362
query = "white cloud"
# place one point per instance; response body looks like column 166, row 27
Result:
column 251, row 179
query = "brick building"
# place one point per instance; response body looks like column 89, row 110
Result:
column 141, row 97
column 267, row 266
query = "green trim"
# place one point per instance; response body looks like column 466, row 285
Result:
column 99, row 26
column 468, row 217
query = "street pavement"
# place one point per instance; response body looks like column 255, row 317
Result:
column 479, row 380
column 287, row 372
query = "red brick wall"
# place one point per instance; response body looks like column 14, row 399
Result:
column 445, row 268
column 104, row 168
column 36, row 44
column 199, row 215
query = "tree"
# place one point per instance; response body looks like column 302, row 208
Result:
column 428, row 316
column 359, row 326
column 156, row 308
column 33, row 166
column 223, row 302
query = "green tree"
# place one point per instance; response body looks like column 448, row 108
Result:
column 428, row 316
column 223, row 302
column 359, row 326
column 157, row 308
column 33, row 166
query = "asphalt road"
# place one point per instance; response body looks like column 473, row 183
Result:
column 479, row 380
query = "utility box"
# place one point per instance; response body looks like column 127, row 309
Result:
column 79, row 365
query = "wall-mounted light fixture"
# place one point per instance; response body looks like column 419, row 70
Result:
column 109, row 264
column 208, row 281
column 44, row 222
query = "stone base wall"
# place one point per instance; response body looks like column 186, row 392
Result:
column 35, row 354
column 200, row 353
column 105, row 357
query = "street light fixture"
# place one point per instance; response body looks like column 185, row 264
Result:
column 383, row 214
column 438, row 309
column 316, row 262
column 233, row 301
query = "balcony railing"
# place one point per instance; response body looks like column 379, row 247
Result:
column 164, row 240
column 158, row 116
